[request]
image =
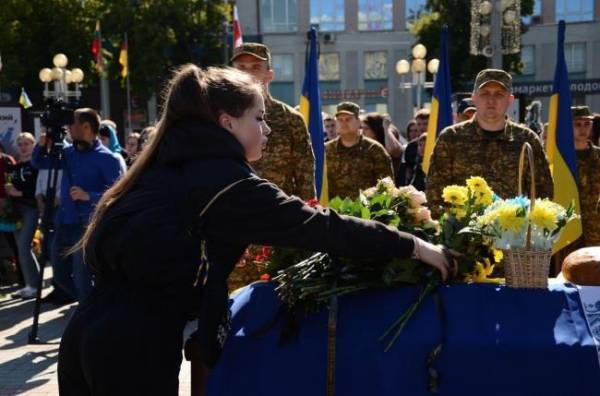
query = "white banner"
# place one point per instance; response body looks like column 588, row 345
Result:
column 10, row 127
column 590, row 301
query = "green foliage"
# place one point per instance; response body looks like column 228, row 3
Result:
column 161, row 33
column 456, row 14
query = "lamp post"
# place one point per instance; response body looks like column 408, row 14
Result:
column 495, row 29
column 61, row 77
column 417, row 66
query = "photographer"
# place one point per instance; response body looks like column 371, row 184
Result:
column 89, row 169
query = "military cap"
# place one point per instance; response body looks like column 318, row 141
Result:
column 257, row 50
column 348, row 108
column 493, row 75
column 465, row 105
column 581, row 112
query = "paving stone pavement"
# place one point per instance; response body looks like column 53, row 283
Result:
column 31, row 369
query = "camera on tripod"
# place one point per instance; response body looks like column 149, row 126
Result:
column 56, row 116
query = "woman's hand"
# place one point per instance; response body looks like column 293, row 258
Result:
column 434, row 255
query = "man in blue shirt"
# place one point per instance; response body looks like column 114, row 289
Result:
column 89, row 169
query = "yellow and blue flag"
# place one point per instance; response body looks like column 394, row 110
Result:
column 310, row 107
column 561, row 145
column 441, row 102
column 24, row 99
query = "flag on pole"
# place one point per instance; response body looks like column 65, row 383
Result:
column 24, row 99
column 310, row 107
column 237, row 29
column 97, row 47
column 123, row 58
column 561, row 145
column 441, row 104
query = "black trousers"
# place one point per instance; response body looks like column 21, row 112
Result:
column 121, row 343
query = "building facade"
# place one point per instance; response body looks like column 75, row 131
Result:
column 361, row 41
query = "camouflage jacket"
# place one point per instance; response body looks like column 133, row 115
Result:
column 350, row 169
column 464, row 150
column 288, row 160
column 588, row 165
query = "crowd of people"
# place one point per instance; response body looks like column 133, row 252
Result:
column 360, row 148
column 217, row 192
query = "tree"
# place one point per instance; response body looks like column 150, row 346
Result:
column 455, row 14
column 161, row 34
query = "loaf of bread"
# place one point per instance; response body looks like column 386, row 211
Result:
column 582, row 267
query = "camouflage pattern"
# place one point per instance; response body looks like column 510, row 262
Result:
column 588, row 163
column 256, row 50
column 350, row 169
column 493, row 75
column 288, row 161
column 464, row 150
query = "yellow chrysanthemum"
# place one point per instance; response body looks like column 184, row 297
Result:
column 459, row 213
column 455, row 195
column 484, row 197
column 498, row 255
column 545, row 215
column 477, row 183
column 508, row 218
column 482, row 272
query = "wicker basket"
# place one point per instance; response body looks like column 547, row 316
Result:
column 526, row 268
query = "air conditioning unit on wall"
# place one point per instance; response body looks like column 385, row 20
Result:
column 328, row 38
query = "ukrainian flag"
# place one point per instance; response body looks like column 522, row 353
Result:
column 441, row 105
column 24, row 99
column 561, row 146
column 310, row 107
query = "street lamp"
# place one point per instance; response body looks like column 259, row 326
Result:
column 495, row 29
column 61, row 78
column 417, row 66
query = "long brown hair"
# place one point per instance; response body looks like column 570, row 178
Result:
column 192, row 93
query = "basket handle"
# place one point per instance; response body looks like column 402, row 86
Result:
column 532, row 192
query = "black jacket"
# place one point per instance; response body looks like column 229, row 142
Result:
column 200, row 188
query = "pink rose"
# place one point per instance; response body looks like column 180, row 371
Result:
column 417, row 198
column 424, row 215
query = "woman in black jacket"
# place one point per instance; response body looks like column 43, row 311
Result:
column 165, row 237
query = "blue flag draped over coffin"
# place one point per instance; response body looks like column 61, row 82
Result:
column 561, row 145
column 499, row 341
column 310, row 107
column 441, row 102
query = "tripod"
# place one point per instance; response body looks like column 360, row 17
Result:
column 47, row 225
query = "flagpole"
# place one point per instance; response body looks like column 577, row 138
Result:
column 104, row 88
column 128, row 89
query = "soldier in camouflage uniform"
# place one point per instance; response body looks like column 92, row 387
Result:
column 488, row 145
column 588, row 166
column 354, row 162
column 288, row 160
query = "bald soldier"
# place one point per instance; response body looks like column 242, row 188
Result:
column 288, row 159
column 488, row 145
column 588, row 166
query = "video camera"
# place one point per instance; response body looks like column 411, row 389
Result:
column 56, row 116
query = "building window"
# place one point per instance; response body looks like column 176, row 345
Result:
column 575, row 57
column 376, row 65
column 528, row 59
column 329, row 66
column 413, row 10
column 279, row 15
column 536, row 17
column 329, row 15
column 375, row 14
column 575, row 10
column 283, row 65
